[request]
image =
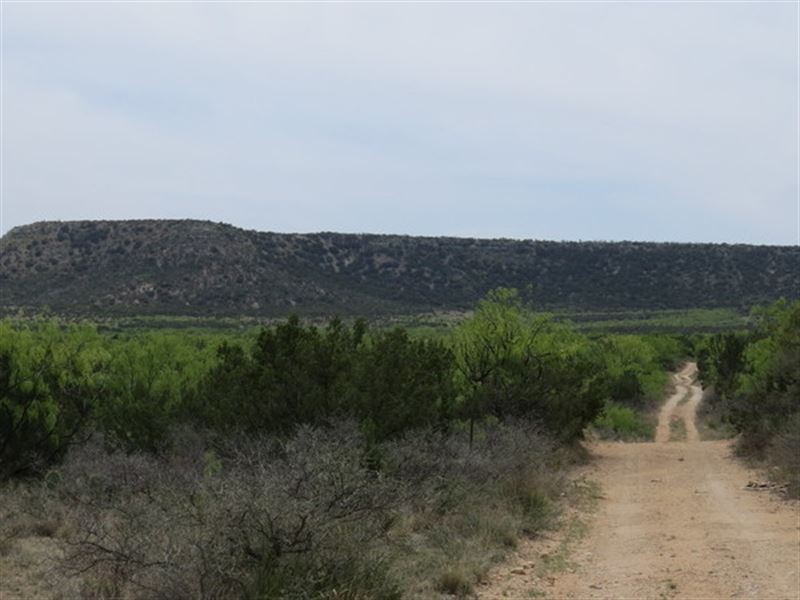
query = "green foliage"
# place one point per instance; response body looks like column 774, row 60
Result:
column 494, row 355
column 504, row 362
column 402, row 384
column 720, row 360
column 768, row 388
column 48, row 382
column 622, row 423
column 695, row 320
column 146, row 384
column 756, row 378
column 511, row 363
column 636, row 367
column 298, row 374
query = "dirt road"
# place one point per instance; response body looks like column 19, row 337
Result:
column 675, row 520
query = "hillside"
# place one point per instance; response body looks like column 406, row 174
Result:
column 203, row 268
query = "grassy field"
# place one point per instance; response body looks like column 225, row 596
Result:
column 661, row 321
column 439, row 325
column 689, row 321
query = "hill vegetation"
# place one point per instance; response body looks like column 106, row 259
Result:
column 160, row 267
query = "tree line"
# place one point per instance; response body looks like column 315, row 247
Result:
column 57, row 382
column 300, row 461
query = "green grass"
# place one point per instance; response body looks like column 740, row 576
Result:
column 440, row 325
column 658, row 321
column 699, row 320
column 619, row 422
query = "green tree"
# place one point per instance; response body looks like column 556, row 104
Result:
column 511, row 362
column 48, row 389
column 403, row 384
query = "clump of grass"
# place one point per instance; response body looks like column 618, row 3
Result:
column 558, row 561
column 531, row 501
column 454, row 583
column 677, row 430
column 618, row 422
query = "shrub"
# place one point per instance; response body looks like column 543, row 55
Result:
column 511, row 363
column 185, row 526
column 303, row 516
column 756, row 381
column 402, row 384
column 47, row 387
column 146, row 385
column 297, row 375
column 622, row 423
column 784, row 453
column 455, row 583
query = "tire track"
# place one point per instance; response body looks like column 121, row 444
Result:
column 675, row 522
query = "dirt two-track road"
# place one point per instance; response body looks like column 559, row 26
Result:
column 674, row 520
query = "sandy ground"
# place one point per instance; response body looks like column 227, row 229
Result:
column 675, row 520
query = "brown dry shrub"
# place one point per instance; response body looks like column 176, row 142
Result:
column 219, row 524
column 321, row 515
column 470, row 503
column 784, row 454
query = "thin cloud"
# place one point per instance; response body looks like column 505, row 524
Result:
column 655, row 121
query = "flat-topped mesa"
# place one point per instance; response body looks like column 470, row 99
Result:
column 202, row 268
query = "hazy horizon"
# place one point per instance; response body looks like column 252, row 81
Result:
column 596, row 122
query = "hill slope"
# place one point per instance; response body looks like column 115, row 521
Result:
column 198, row 267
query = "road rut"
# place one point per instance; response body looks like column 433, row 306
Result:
column 676, row 520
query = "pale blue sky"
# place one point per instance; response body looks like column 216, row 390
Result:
column 649, row 121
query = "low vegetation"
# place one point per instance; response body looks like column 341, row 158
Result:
column 332, row 461
column 619, row 422
column 752, row 385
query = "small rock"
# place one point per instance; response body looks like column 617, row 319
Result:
column 594, row 586
column 681, row 459
column 518, row 571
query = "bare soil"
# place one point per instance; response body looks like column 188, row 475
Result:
column 675, row 520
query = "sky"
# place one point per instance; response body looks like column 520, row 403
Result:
column 567, row 121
